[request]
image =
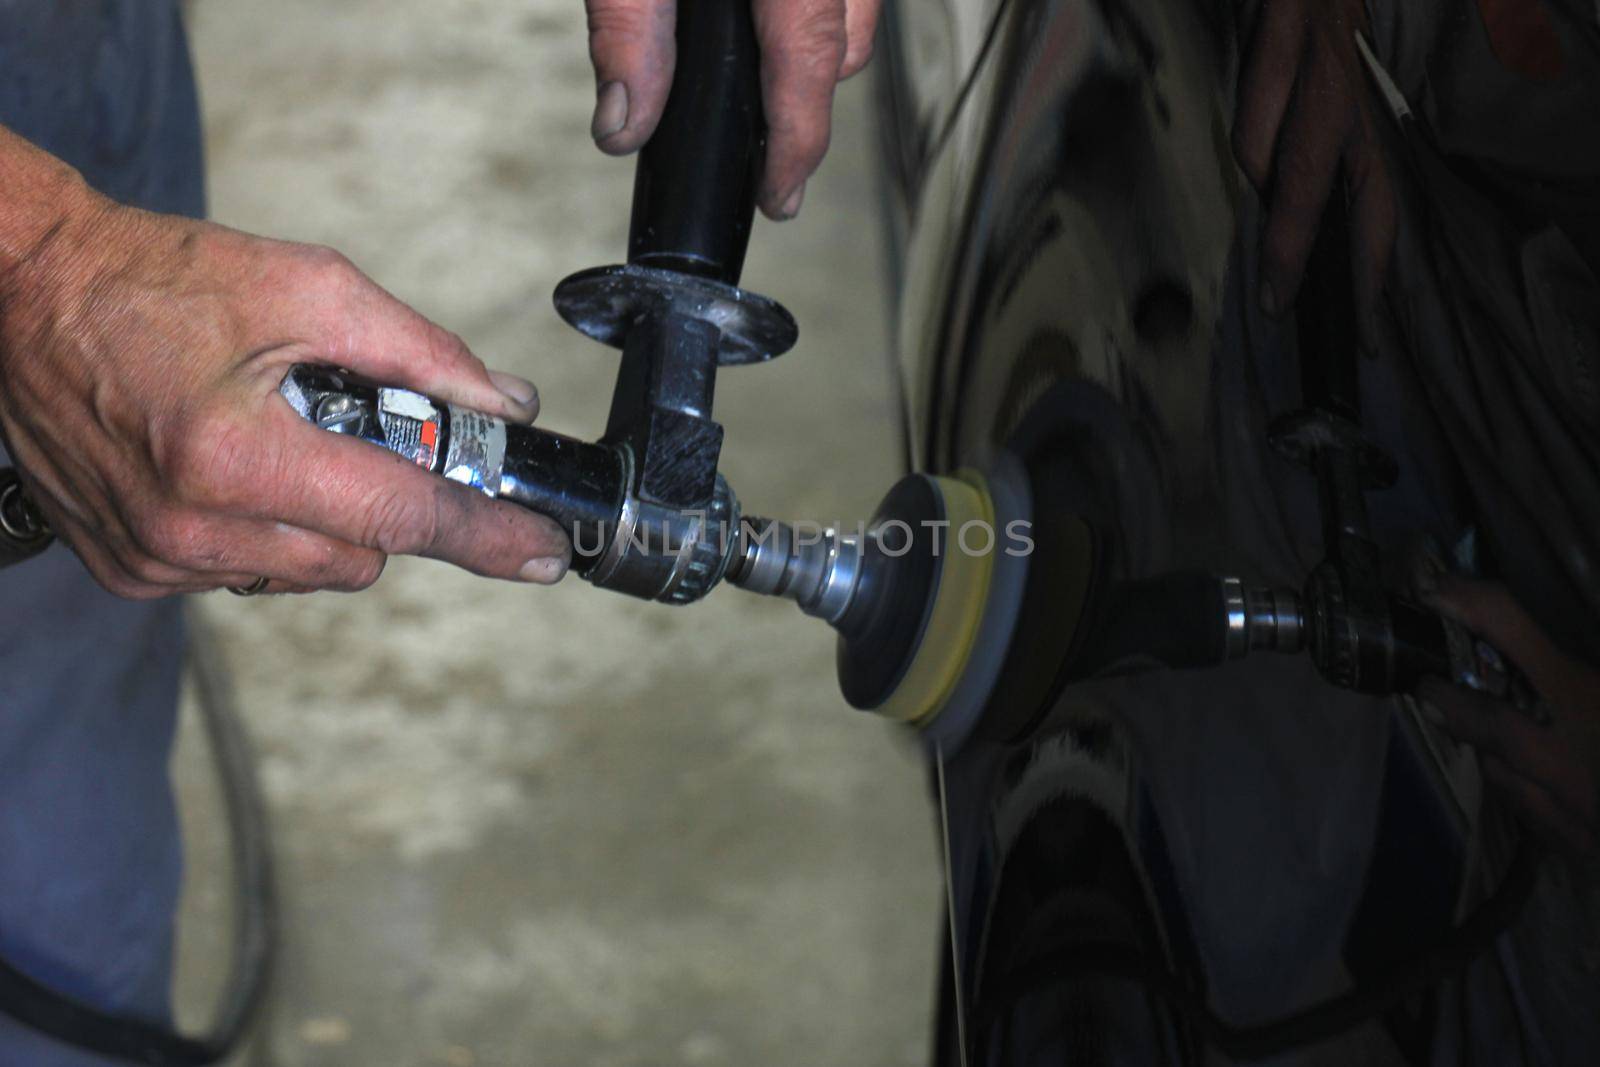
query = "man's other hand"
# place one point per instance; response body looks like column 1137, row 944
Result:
column 1549, row 774
column 1302, row 120
column 807, row 48
column 140, row 359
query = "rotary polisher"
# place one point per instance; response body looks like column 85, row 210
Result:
column 910, row 592
column 926, row 587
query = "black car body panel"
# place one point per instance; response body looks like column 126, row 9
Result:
column 1071, row 237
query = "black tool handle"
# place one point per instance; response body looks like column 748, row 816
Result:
column 694, row 190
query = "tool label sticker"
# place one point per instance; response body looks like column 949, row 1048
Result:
column 404, row 402
column 410, row 425
column 476, row 451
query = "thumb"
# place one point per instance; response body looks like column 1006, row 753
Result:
column 633, row 48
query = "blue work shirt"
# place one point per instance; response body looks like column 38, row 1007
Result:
column 90, row 852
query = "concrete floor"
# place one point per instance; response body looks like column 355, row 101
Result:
column 525, row 826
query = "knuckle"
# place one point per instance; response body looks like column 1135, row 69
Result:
column 446, row 348
column 207, row 464
column 399, row 523
column 552, row 540
column 621, row 20
column 172, row 536
column 803, row 46
column 818, row 36
column 857, row 55
column 814, row 146
column 328, row 268
column 325, row 259
column 387, row 525
column 145, row 571
column 344, row 570
column 799, row 145
column 447, row 339
column 113, row 580
column 365, row 573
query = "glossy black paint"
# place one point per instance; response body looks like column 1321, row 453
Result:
column 1075, row 256
column 1066, row 211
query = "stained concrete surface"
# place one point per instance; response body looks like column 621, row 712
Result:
column 525, row 826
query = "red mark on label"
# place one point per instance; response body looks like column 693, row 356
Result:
column 430, row 442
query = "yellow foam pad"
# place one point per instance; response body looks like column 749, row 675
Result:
column 958, row 603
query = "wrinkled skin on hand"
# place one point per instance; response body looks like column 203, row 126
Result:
column 807, row 48
column 140, row 357
column 1303, row 120
column 1548, row 774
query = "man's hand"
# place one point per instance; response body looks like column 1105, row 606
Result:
column 807, row 47
column 140, row 358
column 1302, row 121
column 1550, row 775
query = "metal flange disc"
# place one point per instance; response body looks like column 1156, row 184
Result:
column 604, row 303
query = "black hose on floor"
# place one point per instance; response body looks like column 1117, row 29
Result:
column 255, row 914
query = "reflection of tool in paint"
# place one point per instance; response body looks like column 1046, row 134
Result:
column 925, row 624
column 928, row 642
column 1360, row 634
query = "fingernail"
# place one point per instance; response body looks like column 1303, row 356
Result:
column 610, row 111
column 1269, row 299
column 547, row 570
column 519, row 391
column 791, row 206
